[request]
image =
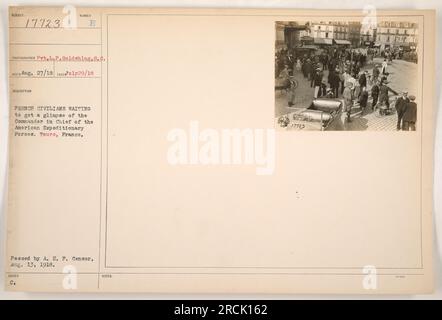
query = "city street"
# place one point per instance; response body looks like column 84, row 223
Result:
column 402, row 76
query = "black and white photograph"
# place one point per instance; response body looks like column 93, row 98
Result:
column 346, row 75
column 158, row 153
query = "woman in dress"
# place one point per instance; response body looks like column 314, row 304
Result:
column 298, row 64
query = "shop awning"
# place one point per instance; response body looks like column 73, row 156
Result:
column 306, row 38
column 323, row 41
column 308, row 47
column 401, row 44
column 342, row 42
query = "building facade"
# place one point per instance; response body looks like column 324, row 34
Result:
column 368, row 35
column 288, row 33
column 327, row 30
column 386, row 34
column 391, row 34
column 354, row 33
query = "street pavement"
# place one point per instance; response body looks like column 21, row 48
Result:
column 402, row 76
column 303, row 95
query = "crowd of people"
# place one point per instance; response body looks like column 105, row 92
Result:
column 409, row 55
column 342, row 73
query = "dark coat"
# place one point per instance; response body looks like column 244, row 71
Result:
column 401, row 104
column 363, row 98
column 375, row 90
column 410, row 113
column 333, row 79
column 383, row 93
column 308, row 67
column 318, row 79
column 376, row 72
column 363, row 80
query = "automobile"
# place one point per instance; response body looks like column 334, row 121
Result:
column 322, row 114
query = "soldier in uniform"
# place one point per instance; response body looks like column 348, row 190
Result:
column 317, row 83
column 363, row 98
column 348, row 101
column 383, row 94
column 410, row 115
column 333, row 79
column 400, row 108
column 374, row 95
column 291, row 94
column 376, row 72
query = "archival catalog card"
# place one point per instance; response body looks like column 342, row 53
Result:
column 220, row 150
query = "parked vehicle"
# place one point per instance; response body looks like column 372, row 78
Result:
column 322, row 114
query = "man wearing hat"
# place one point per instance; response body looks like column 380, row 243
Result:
column 329, row 93
column 333, row 79
column 410, row 115
column 348, row 101
column 400, row 108
column 306, row 68
column 383, row 94
column 384, row 66
column 363, row 99
column 376, row 72
column 317, row 82
column 375, row 94
column 363, row 79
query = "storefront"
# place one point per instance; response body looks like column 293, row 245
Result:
column 323, row 42
column 307, row 40
column 308, row 50
column 288, row 35
column 342, row 43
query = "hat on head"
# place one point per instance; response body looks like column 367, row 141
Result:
column 412, row 98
